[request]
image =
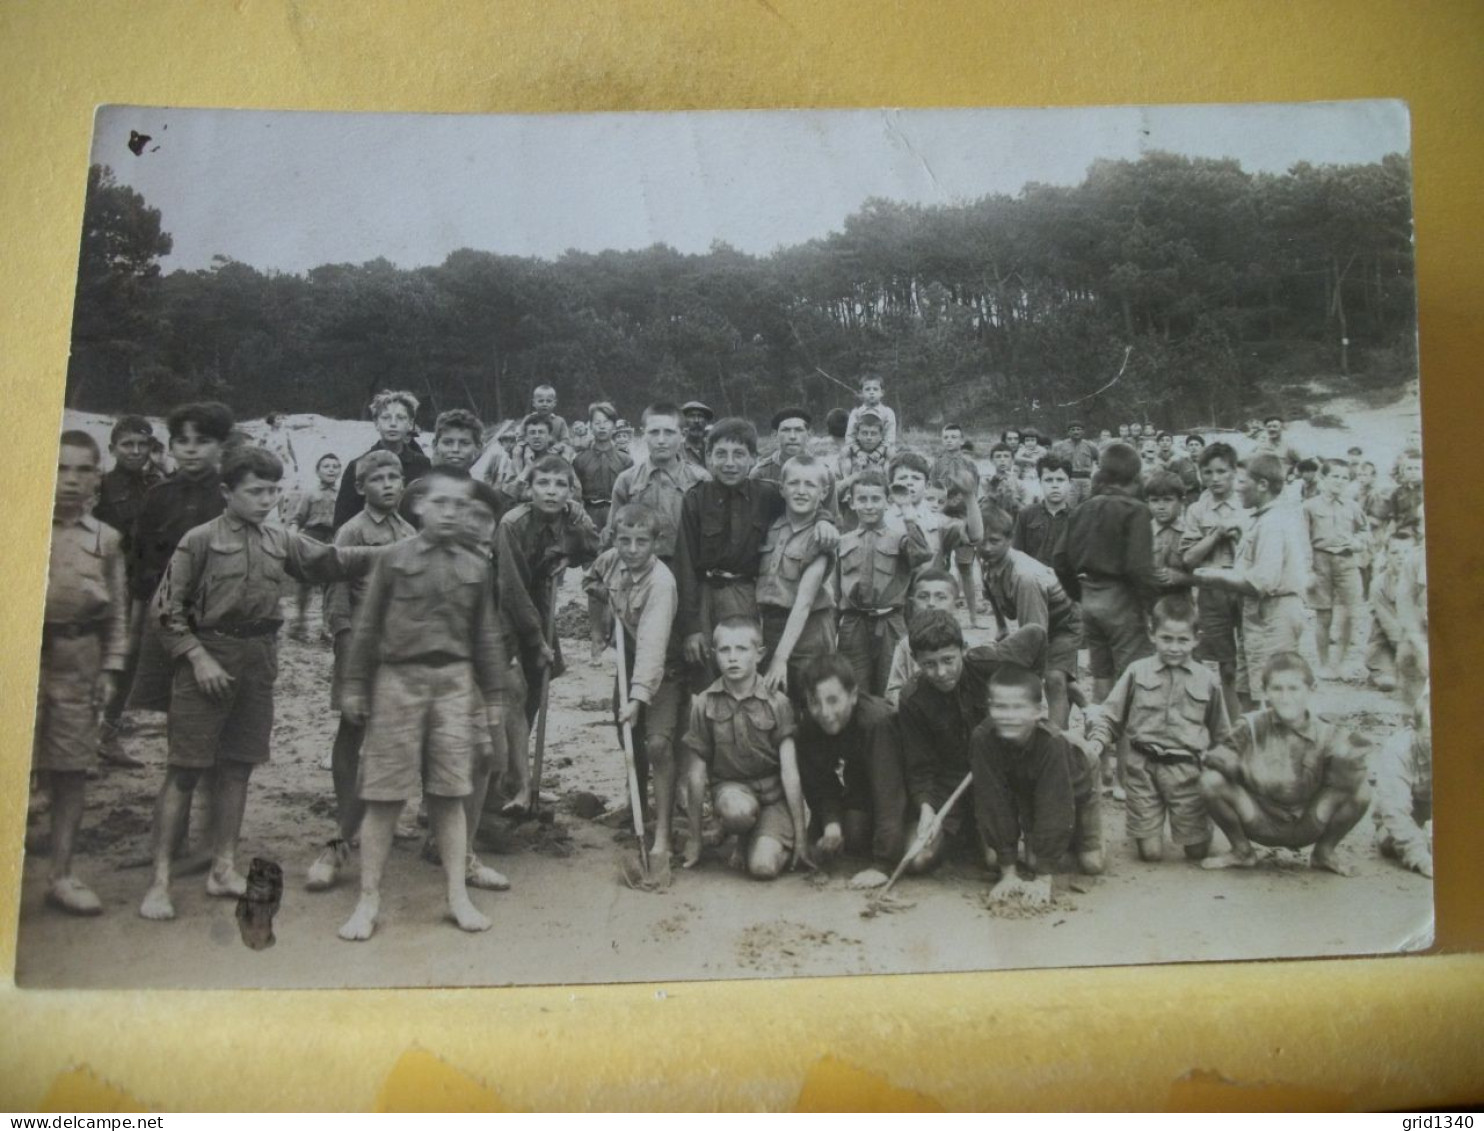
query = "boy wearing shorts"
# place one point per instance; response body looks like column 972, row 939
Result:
column 1021, row 589
column 1339, row 535
column 379, row 481
column 218, row 608
column 84, row 644
column 1170, row 708
column 629, row 583
column 795, row 585
column 425, row 679
column 740, row 741
column 1209, row 532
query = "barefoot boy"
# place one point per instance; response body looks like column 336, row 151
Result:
column 1210, row 529
column 424, row 678
column 1284, row 777
column 876, row 563
column 379, row 482
column 218, row 607
column 84, row 643
column 630, row 583
column 1171, row 710
column 740, row 740
column 1031, row 785
column 1339, row 534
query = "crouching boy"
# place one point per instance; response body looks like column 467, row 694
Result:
column 1284, row 777
column 425, row 673
column 740, row 739
column 1403, row 812
column 1032, row 785
column 1171, row 710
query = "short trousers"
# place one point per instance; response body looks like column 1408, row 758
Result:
column 1218, row 617
column 66, row 721
column 426, row 725
column 203, row 732
column 1113, row 627
column 662, row 717
column 773, row 817
column 1061, row 652
column 1336, row 581
column 869, row 642
column 964, row 555
column 1157, row 789
column 154, row 671
column 1270, row 625
column 817, row 639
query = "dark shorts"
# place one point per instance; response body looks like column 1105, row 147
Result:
column 1219, row 617
column 869, row 642
column 66, row 721
column 1336, row 581
column 425, row 730
column 773, row 818
column 1113, row 627
column 202, row 731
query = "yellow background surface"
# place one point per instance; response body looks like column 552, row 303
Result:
column 1393, row 1032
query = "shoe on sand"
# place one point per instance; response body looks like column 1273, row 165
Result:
column 482, row 876
column 73, row 896
column 326, row 869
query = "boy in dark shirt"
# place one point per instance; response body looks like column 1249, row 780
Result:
column 1031, row 784
column 938, row 714
column 1105, row 560
column 851, row 764
column 600, row 464
column 1039, row 525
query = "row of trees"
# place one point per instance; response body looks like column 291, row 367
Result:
column 1180, row 290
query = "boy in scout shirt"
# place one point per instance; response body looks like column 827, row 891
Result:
column 379, row 481
column 426, row 677
column 740, row 740
column 218, row 608
column 84, row 643
column 795, row 593
column 1171, row 710
column 876, row 563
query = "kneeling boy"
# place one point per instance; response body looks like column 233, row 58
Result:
column 425, row 673
column 1031, row 784
column 741, row 737
column 1172, row 711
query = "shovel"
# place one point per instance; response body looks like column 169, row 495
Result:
column 636, row 873
column 924, row 836
column 551, row 612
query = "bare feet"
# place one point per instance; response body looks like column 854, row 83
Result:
column 73, row 896
column 479, row 875
column 156, row 903
column 692, row 855
column 519, row 803
column 326, row 869
column 362, row 922
column 467, row 916
column 228, row 882
column 1229, row 860
column 1329, row 862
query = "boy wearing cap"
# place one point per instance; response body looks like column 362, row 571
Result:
column 791, row 427
column 698, row 418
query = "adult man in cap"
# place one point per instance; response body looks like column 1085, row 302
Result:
column 698, row 418
column 1082, row 454
column 791, row 427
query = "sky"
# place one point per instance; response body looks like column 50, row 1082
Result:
column 288, row 191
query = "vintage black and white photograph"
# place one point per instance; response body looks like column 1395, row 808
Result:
column 658, row 547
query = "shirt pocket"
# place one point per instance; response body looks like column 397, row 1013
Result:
column 1193, row 707
column 715, row 521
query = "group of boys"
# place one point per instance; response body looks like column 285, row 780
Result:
column 796, row 676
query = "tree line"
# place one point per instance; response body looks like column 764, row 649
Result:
column 1171, row 289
